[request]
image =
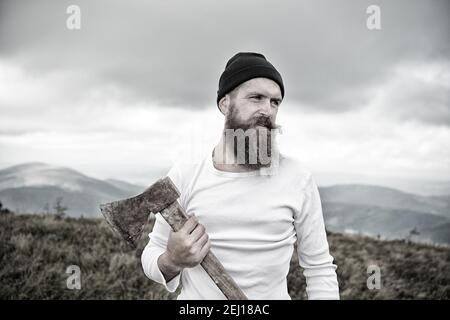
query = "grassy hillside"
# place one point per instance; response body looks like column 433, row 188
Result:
column 36, row 250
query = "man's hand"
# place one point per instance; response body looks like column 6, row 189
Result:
column 186, row 248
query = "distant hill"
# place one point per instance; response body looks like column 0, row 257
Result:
column 420, row 186
column 387, row 223
column 34, row 187
column 386, row 212
column 386, row 198
column 126, row 186
column 437, row 234
column 351, row 208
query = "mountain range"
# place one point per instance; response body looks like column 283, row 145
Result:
column 386, row 213
column 348, row 208
column 35, row 187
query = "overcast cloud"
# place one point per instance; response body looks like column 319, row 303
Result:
column 138, row 75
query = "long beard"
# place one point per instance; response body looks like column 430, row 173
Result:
column 256, row 148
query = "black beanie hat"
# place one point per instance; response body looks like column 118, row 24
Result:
column 244, row 66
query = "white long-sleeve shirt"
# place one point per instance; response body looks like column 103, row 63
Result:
column 253, row 221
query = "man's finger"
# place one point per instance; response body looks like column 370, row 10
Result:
column 205, row 249
column 198, row 232
column 189, row 225
column 202, row 240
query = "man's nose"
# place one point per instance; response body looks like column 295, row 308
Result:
column 265, row 107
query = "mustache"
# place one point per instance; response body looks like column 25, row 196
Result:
column 264, row 122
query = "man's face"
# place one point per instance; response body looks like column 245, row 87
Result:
column 255, row 99
column 254, row 105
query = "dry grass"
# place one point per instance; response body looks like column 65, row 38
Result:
column 35, row 252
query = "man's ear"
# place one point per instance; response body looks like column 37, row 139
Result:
column 224, row 104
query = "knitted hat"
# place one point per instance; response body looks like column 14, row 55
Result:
column 244, row 66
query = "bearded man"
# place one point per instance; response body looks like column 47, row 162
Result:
column 246, row 202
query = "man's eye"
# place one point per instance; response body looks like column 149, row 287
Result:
column 256, row 97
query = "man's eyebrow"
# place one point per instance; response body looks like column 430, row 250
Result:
column 262, row 94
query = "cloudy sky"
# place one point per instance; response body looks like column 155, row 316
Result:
column 135, row 87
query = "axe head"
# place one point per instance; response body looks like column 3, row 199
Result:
column 128, row 217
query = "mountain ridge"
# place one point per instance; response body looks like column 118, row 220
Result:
column 33, row 187
column 351, row 207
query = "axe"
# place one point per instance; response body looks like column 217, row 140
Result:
column 128, row 218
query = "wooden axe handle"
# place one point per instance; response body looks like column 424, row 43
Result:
column 175, row 216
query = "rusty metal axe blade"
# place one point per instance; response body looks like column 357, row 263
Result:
column 128, row 217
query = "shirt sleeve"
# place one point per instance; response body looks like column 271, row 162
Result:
column 153, row 250
column 157, row 246
column 312, row 246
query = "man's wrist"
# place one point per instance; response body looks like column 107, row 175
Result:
column 168, row 267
